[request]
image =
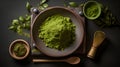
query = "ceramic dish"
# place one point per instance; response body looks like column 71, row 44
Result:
column 92, row 10
column 79, row 31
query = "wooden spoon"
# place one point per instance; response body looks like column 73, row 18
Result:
column 71, row 60
column 99, row 36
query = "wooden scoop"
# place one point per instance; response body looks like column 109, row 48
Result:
column 99, row 36
column 71, row 60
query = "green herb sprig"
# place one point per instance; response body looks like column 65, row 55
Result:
column 106, row 18
column 73, row 4
column 21, row 25
column 28, row 6
column 42, row 5
column 70, row 4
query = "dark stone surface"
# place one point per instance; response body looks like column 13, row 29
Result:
column 108, row 55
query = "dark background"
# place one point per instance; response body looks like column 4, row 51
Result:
column 108, row 54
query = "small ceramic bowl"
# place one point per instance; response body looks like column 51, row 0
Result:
column 22, row 42
column 91, row 10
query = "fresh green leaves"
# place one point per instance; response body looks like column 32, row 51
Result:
column 28, row 6
column 15, row 22
column 43, row 1
column 42, row 5
column 73, row 4
column 106, row 19
column 45, row 5
column 21, row 19
column 70, row 4
column 20, row 25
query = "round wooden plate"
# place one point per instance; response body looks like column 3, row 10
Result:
column 79, row 31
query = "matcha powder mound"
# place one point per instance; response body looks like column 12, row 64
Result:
column 57, row 32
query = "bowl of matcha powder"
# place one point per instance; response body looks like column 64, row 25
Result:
column 92, row 10
column 57, row 31
column 19, row 49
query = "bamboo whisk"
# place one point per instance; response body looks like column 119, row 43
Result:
column 99, row 36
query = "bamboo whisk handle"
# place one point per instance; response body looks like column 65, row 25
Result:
column 92, row 52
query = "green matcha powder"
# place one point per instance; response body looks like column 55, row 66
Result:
column 20, row 49
column 57, row 32
column 92, row 11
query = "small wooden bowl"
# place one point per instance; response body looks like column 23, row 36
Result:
column 27, row 46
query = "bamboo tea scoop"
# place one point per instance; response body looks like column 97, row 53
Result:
column 71, row 60
column 99, row 36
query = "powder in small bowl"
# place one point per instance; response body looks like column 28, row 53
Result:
column 19, row 49
column 92, row 10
